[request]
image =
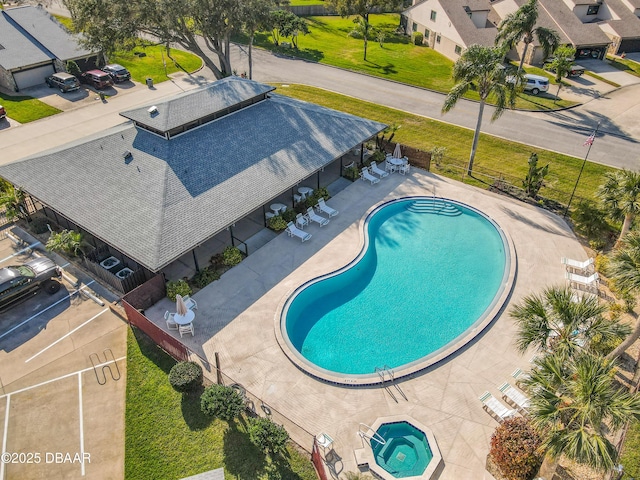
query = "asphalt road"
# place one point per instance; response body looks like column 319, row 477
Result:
column 565, row 131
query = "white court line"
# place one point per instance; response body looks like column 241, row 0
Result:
column 42, row 311
column 81, row 422
column 4, row 437
column 18, row 253
column 61, row 377
column 65, row 336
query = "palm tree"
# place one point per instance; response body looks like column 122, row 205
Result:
column 559, row 322
column 480, row 68
column 364, row 28
column 575, row 404
column 620, row 195
column 521, row 26
column 11, row 199
column 623, row 269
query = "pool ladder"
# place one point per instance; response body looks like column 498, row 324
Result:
column 369, row 434
column 386, row 374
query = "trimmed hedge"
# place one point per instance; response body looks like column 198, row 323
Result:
column 515, row 449
column 222, row 402
column 185, row 376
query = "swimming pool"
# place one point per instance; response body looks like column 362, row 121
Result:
column 431, row 274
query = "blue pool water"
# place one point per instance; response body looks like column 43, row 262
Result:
column 428, row 271
column 406, row 451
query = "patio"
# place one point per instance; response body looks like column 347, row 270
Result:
column 237, row 317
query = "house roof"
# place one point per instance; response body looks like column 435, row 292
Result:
column 191, row 106
column 170, row 196
column 627, row 25
column 47, row 31
column 17, row 50
column 556, row 15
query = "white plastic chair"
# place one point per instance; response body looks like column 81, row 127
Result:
column 314, row 217
column 301, row 221
column 294, row 231
column 403, row 169
column 582, row 267
column 381, row 173
column 324, row 441
column 297, row 198
column 577, row 280
column 515, row 396
column 190, row 302
column 323, row 207
column 365, row 175
column 171, row 325
column 188, row 328
column 390, row 167
column 493, row 406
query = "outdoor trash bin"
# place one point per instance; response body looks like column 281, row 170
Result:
column 149, row 82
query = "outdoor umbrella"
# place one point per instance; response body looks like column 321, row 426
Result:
column 396, row 152
column 181, row 307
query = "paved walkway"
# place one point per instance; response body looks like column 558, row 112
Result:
column 238, row 315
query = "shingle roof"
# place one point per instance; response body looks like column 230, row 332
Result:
column 19, row 51
column 467, row 30
column 46, row 30
column 556, row 15
column 627, row 25
column 191, row 106
column 172, row 195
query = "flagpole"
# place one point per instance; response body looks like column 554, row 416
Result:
column 592, row 138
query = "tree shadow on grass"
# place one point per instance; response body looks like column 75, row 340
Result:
column 242, row 459
column 387, row 69
column 152, row 351
column 191, row 411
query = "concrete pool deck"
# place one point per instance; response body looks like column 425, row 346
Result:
column 238, row 315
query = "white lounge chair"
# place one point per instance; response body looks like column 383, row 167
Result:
column 171, row 325
column 381, row 173
column 581, row 267
column 294, row 231
column 301, row 221
column 576, row 280
column 515, row 396
column 314, row 217
column 365, row 175
column 323, row 207
column 492, row 405
column 190, row 302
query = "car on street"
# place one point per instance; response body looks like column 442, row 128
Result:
column 97, row 79
column 63, row 81
column 18, row 281
column 118, row 72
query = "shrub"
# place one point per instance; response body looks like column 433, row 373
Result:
column 217, row 261
column 355, row 34
column 276, row 223
column 268, row 436
column 351, row 173
column 378, row 157
column 180, row 287
column 437, row 154
column 221, row 402
column 289, row 215
column 39, row 225
column 590, row 220
column 231, row 256
column 514, row 449
column 74, row 69
column 185, row 376
column 205, row 276
column 418, row 38
column 67, row 241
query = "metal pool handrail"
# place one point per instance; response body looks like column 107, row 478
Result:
column 370, row 436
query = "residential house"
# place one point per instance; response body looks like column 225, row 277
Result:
column 33, row 45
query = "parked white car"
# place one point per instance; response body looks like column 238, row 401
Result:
column 535, row 83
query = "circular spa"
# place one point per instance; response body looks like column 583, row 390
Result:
column 432, row 273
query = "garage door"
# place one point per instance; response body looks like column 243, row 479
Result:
column 629, row 45
column 33, row 76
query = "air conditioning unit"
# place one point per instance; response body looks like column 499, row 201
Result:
column 153, row 110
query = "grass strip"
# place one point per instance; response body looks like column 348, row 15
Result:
column 502, row 157
column 26, row 109
column 167, row 435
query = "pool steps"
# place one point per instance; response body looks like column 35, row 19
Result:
column 438, row 207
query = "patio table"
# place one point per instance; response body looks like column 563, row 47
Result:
column 278, row 207
column 305, row 190
column 185, row 319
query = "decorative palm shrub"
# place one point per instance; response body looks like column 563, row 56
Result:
column 221, row 402
column 514, row 449
column 179, row 287
column 185, row 376
column 269, row 437
column 66, row 241
column 231, row 256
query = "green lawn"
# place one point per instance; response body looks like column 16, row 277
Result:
column 25, row 109
column 625, row 65
column 396, row 59
column 493, row 155
column 630, row 455
column 304, row 3
column 168, row 437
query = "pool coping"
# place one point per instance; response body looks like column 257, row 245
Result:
column 474, row 330
column 365, row 457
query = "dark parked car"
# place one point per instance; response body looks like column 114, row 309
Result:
column 63, row 81
column 19, row 281
column 97, row 79
column 118, row 72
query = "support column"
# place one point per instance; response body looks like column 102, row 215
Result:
column 195, row 260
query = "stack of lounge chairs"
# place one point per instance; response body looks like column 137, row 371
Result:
column 581, row 275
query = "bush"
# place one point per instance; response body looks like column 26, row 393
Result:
column 351, row 173
column 355, row 34
column 276, row 223
column 231, row 256
column 185, row 376
column 67, row 241
column 514, row 449
column 74, row 69
column 289, row 215
column 221, row 402
column 590, row 220
column 180, row 287
column 268, row 436
column 205, row 276
column 378, row 156
column 217, row 261
column 39, row 225
column 418, row 38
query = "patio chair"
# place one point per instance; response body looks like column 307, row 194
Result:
column 577, row 266
column 515, row 397
column 171, row 325
column 190, row 302
column 576, row 280
column 294, row 231
column 365, row 175
column 188, row 328
column 297, row 198
column 519, row 376
column 375, row 169
column 325, row 441
column 349, row 165
column 269, row 215
column 323, row 207
column 404, row 169
column 390, row 167
column 493, row 406
column 301, row 221
column 314, row 217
